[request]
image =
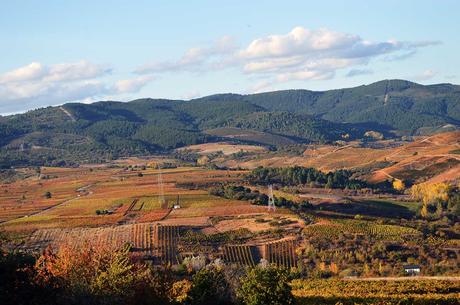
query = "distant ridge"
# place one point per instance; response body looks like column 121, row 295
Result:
column 110, row 129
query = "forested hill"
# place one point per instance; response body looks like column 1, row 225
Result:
column 82, row 132
column 395, row 104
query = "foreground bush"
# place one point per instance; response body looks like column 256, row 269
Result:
column 99, row 275
column 209, row 287
column 266, row 286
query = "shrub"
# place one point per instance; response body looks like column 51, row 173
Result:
column 263, row 286
column 209, row 287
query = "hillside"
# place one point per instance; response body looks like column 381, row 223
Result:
column 434, row 158
column 390, row 104
column 105, row 130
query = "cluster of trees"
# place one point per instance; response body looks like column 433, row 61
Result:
column 99, row 275
column 303, row 127
column 239, row 193
column 438, row 199
column 293, row 176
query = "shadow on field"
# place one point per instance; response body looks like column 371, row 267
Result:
column 378, row 208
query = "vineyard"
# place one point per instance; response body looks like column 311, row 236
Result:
column 147, row 240
column 378, row 231
column 240, row 254
column 312, row 292
column 280, row 253
column 166, row 244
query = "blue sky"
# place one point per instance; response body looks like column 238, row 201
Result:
column 59, row 51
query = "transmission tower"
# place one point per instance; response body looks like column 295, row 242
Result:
column 161, row 192
column 271, row 199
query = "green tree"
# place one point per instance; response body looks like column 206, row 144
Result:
column 262, row 286
column 209, row 287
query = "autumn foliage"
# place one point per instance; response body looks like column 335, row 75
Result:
column 98, row 275
column 434, row 197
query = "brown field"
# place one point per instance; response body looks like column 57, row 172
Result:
column 26, row 197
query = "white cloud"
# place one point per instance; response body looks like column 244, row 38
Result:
column 298, row 41
column 425, row 75
column 194, row 59
column 76, row 71
column 55, row 73
column 132, row 85
column 32, row 71
column 304, row 54
column 37, row 85
column 301, row 54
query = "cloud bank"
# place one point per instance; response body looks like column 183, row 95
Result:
column 36, row 85
column 301, row 54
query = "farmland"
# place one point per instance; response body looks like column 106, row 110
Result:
column 376, row 292
column 180, row 212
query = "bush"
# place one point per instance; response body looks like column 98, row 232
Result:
column 263, row 286
column 209, row 287
column 99, row 275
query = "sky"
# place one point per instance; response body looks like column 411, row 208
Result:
column 53, row 52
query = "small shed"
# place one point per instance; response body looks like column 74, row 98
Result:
column 412, row 269
column 177, row 204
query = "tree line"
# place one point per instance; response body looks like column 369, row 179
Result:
column 297, row 175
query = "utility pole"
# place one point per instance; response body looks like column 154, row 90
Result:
column 271, row 199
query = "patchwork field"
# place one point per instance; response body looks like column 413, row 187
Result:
column 77, row 195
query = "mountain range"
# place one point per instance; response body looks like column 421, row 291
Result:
column 76, row 132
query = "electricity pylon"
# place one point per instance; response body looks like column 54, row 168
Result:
column 271, row 199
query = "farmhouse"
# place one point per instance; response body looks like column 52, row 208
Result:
column 412, row 269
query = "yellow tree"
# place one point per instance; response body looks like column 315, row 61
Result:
column 399, row 185
column 334, row 268
column 430, row 195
